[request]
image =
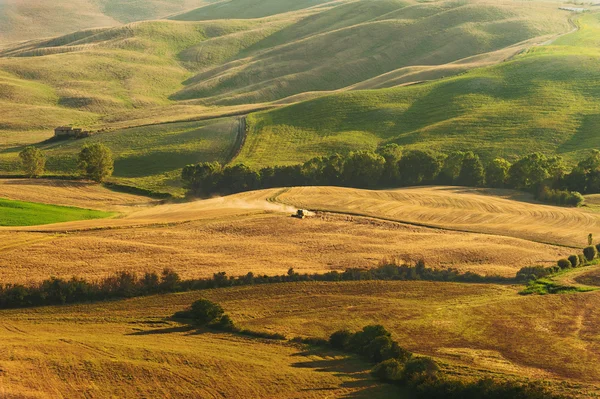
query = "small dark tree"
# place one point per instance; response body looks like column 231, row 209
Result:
column 389, row 370
column 419, row 167
column 33, row 161
column 574, row 260
column 204, row 312
column 564, row 263
column 472, row 173
column 340, row 339
column 590, row 253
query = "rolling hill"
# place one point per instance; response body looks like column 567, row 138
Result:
column 206, row 64
column 544, row 99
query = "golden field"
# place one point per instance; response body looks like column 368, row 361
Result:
column 242, row 233
column 472, row 329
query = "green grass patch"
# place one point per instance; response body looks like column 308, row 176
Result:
column 19, row 213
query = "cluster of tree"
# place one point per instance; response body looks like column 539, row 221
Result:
column 422, row 375
column 529, row 273
column 208, row 314
column 544, row 176
column 94, row 162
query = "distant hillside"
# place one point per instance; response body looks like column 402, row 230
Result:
column 34, row 19
column 353, row 42
column 205, row 63
column 546, row 99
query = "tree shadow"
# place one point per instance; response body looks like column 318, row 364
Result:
column 353, row 370
column 168, row 330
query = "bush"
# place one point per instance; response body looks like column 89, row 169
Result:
column 564, row 263
column 421, row 369
column 33, row 161
column 590, row 253
column 574, row 259
column 389, row 370
column 202, row 312
column 340, row 339
column 225, row 324
column 582, row 260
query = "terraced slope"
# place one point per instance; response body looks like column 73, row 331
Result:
column 545, row 99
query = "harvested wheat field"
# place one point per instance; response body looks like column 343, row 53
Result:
column 82, row 351
column 265, row 243
column 69, row 193
column 472, row 329
column 502, row 212
column 249, row 232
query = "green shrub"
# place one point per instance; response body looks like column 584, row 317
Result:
column 225, row 324
column 421, row 369
column 340, row 339
column 202, row 312
column 598, row 248
column 564, row 264
column 590, row 253
column 574, row 259
column 582, row 260
column 389, row 370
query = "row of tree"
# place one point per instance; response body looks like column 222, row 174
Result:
column 547, row 177
column 94, row 162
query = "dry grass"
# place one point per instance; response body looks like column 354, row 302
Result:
column 500, row 212
column 236, row 234
column 265, row 243
column 473, row 329
column 84, row 352
column 69, row 193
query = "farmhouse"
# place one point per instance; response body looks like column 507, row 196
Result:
column 66, row 132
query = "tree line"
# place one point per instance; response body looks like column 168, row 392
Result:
column 547, row 177
column 126, row 284
column 94, row 162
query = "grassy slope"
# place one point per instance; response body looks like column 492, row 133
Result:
column 246, row 9
column 19, row 213
column 354, row 42
column 133, row 75
column 546, row 99
column 149, row 156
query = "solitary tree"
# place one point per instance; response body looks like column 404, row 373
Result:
column 33, row 161
column 96, row 162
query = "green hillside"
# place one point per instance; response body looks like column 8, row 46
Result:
column 246, row 9
column 357, row 41
column 149, row 157
column 546, row 99
column 205, row 64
